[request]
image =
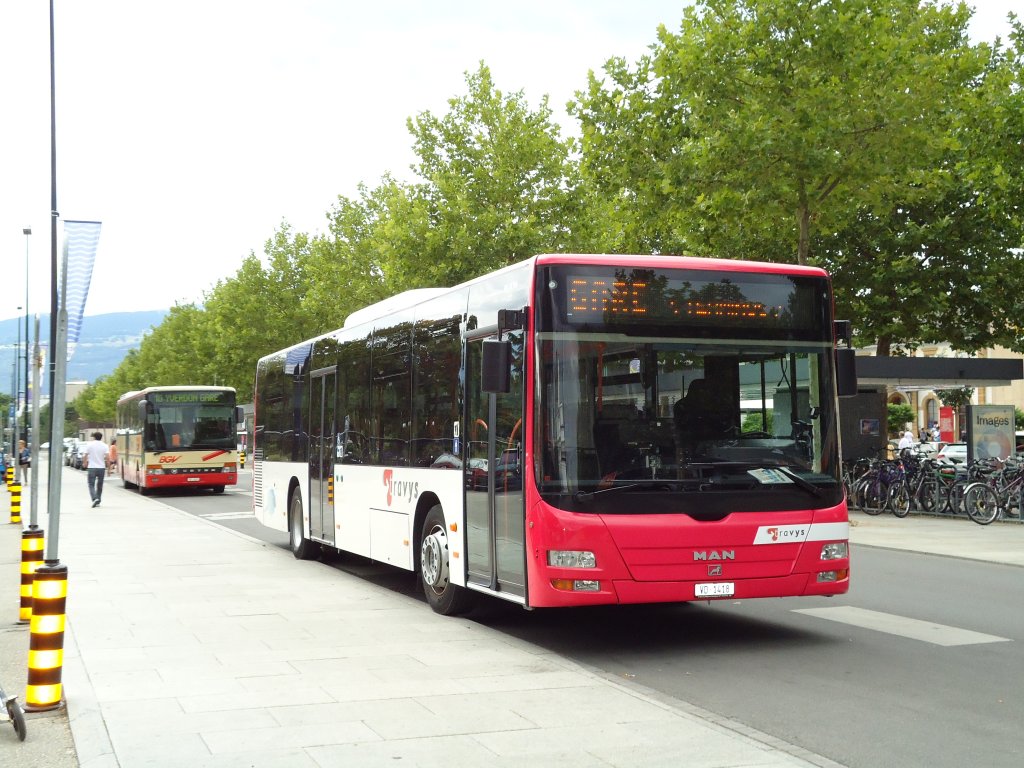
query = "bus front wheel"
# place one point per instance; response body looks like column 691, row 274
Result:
column 301, row 547
column 443, row 596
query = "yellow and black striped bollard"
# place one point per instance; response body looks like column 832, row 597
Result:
column 31, row 561
column 15, row 502
column 330, row 489
column 9, row 475
column 46, row 639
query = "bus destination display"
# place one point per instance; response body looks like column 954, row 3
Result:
column 706, row 300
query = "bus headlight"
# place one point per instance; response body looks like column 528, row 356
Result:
column 836, row 550
column 571, row 558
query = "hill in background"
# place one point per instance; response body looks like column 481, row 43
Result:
column 104, row 342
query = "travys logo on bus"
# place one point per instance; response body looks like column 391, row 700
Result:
column 401, row 489
column 780, row 534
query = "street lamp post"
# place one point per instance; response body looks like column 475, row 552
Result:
column 16, row 435
column 27, row 231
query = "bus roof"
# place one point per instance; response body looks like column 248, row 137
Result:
column 680, row 262
column 408, row 299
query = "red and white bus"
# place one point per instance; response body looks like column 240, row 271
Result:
column 571, row 430
column 174, row 437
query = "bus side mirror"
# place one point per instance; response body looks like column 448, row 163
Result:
column 143, row 409
column 846, row 372
column 239, row 415
column 496, row 364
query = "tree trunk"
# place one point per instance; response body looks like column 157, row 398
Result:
column 804, row 246
column 884, row 346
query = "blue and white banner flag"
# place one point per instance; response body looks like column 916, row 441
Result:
column 81, row 239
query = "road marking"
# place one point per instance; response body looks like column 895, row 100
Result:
column 926, row 631
column 227, row 515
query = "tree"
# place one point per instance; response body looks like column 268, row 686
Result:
column 899, row 415
column 959, row 397
column 498, row 185
column 866, row 136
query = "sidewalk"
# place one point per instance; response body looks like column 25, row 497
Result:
column 189, row 644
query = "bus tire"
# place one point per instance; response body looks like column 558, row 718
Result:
column 218, row 489
column 301, row 547
column 442, row 596
column 144, row 490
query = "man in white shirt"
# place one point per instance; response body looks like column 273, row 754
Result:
column 907, row 441
column 96, row 466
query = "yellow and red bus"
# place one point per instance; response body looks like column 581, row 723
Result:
column 174, row 437
column 572, row 430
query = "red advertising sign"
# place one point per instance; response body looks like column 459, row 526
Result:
column 946, row 432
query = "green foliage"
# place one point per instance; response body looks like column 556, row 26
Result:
column 856, row 136
column 753, row 422
column 866, row 136
column 1018, row 419
column 899, row 414
column 955, row 398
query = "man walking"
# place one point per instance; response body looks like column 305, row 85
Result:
column 96, row 466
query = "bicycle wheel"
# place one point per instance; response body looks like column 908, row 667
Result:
column 17, row 718
column 874, row 499
column 926, row 496
column 981, row 503
column 899, row 500
column 956, row 497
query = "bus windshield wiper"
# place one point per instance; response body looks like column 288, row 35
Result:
column 799, row 481
column 585, row 496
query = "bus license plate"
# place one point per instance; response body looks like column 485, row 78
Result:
column 715, row 589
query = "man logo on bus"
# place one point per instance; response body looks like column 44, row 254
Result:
column 400, row 488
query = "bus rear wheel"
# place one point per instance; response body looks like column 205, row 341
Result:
column 218, row 489
column 442, row 596
column 301, row 547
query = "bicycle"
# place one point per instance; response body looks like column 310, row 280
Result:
column 882, row 486
column 985, row 500
column 14, row 712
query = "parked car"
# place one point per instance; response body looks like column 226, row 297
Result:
column 954, row 453
column 70, row 449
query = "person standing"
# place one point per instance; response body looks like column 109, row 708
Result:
column 907, row 441
column 24, row 462
column 96, row 466
column 112, row 458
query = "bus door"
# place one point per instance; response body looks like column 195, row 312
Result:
column 493, row 473
column 322, row 429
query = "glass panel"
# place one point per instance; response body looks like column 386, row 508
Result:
column 508, row 476
column 478, row 515
column 680, row 420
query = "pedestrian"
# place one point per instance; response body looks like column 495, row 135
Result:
column 112, row 459
column 907, row 441
column 24, row 461
column 96, row 466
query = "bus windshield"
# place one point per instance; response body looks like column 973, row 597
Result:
column 686, row 415
column 190, row 420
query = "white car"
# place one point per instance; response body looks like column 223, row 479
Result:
column 954, row 453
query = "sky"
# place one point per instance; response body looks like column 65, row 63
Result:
column 193, row 129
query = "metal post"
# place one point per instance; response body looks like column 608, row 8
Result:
column 37, row 363
column 16, row 436
column 27, row 231
column 58, row 324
